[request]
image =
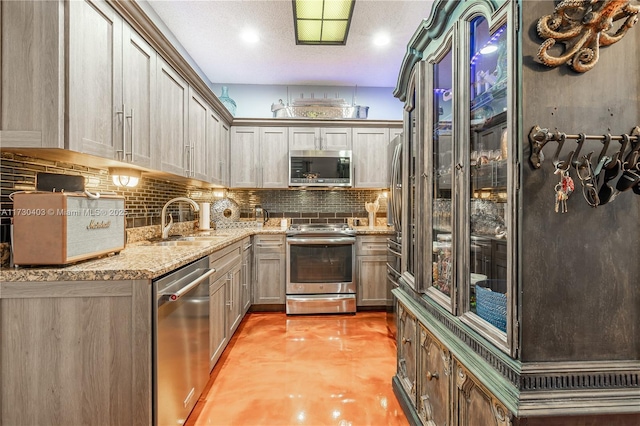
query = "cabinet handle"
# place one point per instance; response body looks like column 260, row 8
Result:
column 193, row 161
column 431, row 376
column 122, row 152
column 405, row 340
column 132, row 139
column 459, row 166
column 187, row 161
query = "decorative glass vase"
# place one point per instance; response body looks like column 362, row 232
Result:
column 229, row 103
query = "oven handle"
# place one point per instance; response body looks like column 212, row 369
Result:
column 392, row 251
column 172, row 297
column 319, row 240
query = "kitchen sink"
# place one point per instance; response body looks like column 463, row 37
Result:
column 181, row 243
column 190, row 241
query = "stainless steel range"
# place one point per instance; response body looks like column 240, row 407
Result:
column 321, row 269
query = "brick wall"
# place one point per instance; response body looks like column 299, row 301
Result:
column 144, row 203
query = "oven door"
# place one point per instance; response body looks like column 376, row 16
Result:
column 320, row 265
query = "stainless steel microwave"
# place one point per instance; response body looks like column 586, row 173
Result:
column 320, row 168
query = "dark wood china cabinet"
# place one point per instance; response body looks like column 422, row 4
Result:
column 517, row 306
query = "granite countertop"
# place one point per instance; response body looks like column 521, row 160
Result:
column 376, row 230
column 145, row 261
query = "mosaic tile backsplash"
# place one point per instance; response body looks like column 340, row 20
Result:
column 144, row 203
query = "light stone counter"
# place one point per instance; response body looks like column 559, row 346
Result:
column 376, row 230
column 145, row 261
column 138, row 261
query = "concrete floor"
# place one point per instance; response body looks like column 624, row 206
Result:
column 304, row 370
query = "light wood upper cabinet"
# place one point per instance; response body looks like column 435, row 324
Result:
column 244, row 157
column 320, row 138
column 370, row 157
column 95, row 79
column 259, row 156
column 197, row 150
column 217, row 149
column 139, row 65
column 274, row 159
column 172, row 119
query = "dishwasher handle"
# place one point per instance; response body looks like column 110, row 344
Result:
column 172, row 297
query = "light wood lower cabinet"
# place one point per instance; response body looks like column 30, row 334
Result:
column 434, row 378
column 225, row 306
column 75, row 353
column 246, row 275
column 371, row 270
column 270, row 268
column 218, row 332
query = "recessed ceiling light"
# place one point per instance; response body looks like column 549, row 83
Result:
column 381, row 39
column 250, row 36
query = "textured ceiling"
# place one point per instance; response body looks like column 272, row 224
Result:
column 210, row 31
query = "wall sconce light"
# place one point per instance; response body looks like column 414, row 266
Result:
column 125, row 177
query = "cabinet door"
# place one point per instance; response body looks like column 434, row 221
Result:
column 196, row 150
column 407, row 351
column 246, row 274
column 371, row 273
column 474, row 405
column 225, row 137
column 335, row 139
column 218, row 335
column 369, row 158
column 215, row 149
column 139, row 65
column 235, row 298
column 304, row 138
column 95, row 77
column 274, row 161
column 244, row 157
column 434, row 376
column 172, row 119
column 269, row 270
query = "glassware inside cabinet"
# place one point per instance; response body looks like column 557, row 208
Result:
column 441, row 213
column 488, row 154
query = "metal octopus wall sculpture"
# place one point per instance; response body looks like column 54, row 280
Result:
column 583, row 26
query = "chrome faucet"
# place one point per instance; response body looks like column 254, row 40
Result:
column 166, row 227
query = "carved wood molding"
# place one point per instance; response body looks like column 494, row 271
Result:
column 583, row 26
column 571, row 387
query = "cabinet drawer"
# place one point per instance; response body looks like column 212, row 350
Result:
column 434, row 374
column 269, row 244
column 371, row 245
column 224, row 259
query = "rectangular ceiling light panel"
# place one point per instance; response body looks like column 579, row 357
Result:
column 322, row 21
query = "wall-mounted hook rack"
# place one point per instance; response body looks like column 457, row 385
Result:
column 539, row 137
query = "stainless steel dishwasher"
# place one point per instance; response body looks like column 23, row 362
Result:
column 180, row 341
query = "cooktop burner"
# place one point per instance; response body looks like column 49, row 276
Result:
column 321, row 228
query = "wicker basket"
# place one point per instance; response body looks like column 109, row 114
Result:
column 491, row 305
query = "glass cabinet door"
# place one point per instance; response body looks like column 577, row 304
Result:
column 411, row 150
column 487, row 157
column 442, row 166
